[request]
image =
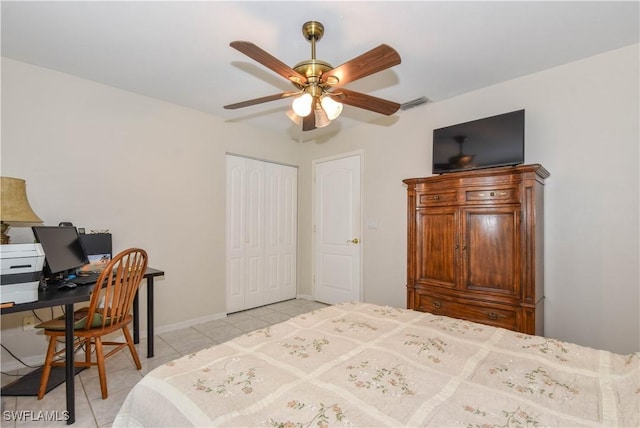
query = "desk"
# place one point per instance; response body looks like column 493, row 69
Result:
column 54, row 297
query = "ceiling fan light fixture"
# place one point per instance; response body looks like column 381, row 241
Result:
column 302, row 105
column 294, row 117
column 331, row 107
column 322, row 119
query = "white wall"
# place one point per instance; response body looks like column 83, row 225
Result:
column 72, row 139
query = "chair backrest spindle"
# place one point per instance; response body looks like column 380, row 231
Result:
column 113, row 293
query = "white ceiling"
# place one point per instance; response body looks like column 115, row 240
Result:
column 179, row 51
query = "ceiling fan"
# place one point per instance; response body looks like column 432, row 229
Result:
column 319, row 96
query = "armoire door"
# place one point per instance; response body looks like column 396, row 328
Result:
column 261, row 201
column 491, row 250
column 437, row 247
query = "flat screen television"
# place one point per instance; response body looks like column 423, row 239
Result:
column 63, row 252
column 483, row 143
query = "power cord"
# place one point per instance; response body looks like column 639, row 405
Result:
column 19, row 360
column 77, row 345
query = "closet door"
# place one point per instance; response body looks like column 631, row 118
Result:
column 235, row 228
column 254, row 233
column 261, row 233
column 281, row 184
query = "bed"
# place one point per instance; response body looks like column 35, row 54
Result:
column 364, row 365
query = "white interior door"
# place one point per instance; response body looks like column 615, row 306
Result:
column 337, row 226
column 261, row 232
column 254, row 233
column 236, row 260
column 281, row 206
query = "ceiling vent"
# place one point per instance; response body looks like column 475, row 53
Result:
column 414, row 103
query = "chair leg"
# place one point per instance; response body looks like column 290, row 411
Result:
column 132, row 347
column 101, row 371
column 46, row 368
column 87, row 351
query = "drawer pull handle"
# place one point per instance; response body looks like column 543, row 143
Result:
column 437, row 304
column 435, row 197
column 494, row 315
column 493, row 194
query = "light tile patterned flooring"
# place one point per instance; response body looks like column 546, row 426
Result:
column 93, row 411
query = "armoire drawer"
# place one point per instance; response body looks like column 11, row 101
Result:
column 478, row 312
column 492, row 194
column 436, row 198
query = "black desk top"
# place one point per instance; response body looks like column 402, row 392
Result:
column 54, row 297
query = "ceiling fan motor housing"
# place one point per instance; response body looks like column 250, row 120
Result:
column 312, row 69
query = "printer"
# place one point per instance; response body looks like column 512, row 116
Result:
column 20, row 272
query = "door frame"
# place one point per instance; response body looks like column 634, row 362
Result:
column 315, row 162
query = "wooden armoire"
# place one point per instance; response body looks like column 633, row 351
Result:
column 475, row 246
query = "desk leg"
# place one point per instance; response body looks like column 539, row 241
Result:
column 136, row 320
column 69, row 367
column 150, row 317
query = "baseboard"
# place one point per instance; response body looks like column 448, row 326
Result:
column 304, row 296
column 184, row 324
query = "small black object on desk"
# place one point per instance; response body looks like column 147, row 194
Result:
column 67, row 285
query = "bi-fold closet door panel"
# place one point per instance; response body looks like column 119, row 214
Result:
column 280, row 232
column 261, row 232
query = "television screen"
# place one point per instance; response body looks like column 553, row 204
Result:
column 483, row 143
column 63, row 250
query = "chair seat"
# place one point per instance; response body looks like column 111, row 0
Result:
column 79, row 321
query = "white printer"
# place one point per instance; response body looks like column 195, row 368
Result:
column 20, row 272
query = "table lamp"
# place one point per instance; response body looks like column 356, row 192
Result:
column 15, row 209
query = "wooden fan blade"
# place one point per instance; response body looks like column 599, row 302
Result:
column 367, row 102
column 260, row 100
column 309, row 122
column 269, row 61
column 370, row 62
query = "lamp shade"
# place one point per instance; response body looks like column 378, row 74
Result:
column 331, row 107
column 15, row 209
column 294, row 117
column 321, row 117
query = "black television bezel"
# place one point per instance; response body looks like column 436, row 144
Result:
column 48, row 273
column 461, row 126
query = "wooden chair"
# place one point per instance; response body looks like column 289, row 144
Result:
column 109, row 311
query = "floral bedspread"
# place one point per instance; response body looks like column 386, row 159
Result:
column 364, row 365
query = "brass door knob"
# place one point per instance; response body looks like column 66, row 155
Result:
column 353, row 241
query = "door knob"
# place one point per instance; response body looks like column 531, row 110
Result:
column 353, row 241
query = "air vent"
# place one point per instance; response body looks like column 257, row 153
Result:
column 414, row 103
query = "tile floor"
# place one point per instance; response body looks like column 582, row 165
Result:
column 92, row 411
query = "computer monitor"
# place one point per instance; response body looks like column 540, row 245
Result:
column 63, row 251
column 99, row 251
